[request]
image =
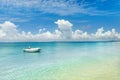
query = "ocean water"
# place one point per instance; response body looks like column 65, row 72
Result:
column 60, row 61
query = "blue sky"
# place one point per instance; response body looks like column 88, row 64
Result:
column 85, row 15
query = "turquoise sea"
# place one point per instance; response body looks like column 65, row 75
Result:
column 60, row 61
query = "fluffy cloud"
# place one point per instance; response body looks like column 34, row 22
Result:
column 64, row 24
column 9, row 32
column 2, row 33
column 8, row 29
column 65, row 28
column 80, row 35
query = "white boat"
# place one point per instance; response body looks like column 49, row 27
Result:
column 32, row 50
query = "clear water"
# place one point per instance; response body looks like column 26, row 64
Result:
column 60, row 61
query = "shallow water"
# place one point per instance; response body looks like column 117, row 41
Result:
column 60, row 61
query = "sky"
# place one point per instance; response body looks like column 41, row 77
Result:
column 59, row 20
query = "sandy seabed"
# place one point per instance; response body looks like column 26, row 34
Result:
column 100, row 70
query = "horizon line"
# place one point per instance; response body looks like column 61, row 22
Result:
column 56, row 41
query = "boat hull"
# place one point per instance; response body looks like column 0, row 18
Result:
column 32, row 50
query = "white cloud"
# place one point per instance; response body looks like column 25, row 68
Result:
column 9, row 32
column 8, row 29
column 2, row 34
column 64, row 24
column 80, row 35
column 42, row 30
column 65, row 27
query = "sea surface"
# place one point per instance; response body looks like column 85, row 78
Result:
column 60, row 61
